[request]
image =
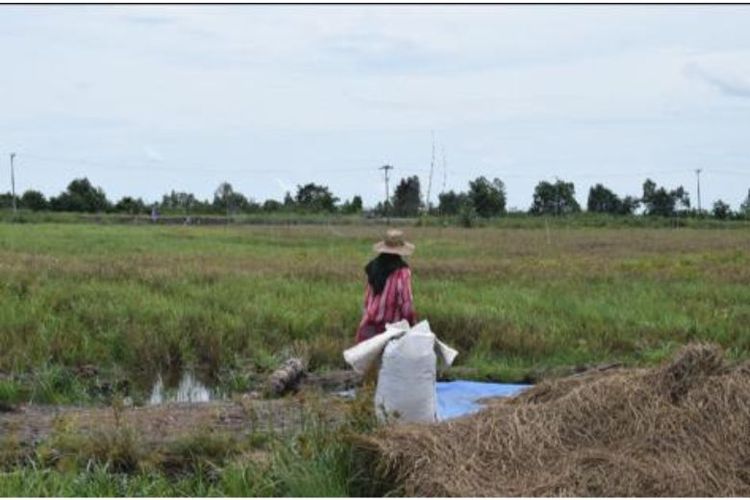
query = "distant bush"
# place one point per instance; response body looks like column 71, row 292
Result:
column 34, row 200
column 467, row 216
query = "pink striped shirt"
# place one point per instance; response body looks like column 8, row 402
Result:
column 393, row 304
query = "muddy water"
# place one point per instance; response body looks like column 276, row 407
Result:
column 188, row 390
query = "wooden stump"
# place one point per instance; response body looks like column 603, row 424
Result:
column 286, row 377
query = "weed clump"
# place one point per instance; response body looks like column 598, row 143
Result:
column 650, row 432
column 201, row 453
column 120, row 449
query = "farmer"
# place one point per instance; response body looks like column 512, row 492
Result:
column 388, row 296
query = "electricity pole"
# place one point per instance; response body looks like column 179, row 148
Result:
column 445, row 178
column 386, row 168
column 698, row 177
column 13, row 182
column 445, row 171
column 432, row 168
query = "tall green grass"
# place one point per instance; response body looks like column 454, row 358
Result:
column 90, row 313
column 135, row 301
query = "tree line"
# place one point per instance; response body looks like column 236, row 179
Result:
column 483, row 198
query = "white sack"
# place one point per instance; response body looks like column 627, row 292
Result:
column 363, row 355
column 406, row 380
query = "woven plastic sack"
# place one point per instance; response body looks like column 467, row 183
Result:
column 408, row 370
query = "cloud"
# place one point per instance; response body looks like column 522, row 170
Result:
column 731, row 86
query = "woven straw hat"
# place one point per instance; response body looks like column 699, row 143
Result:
column 394, row 243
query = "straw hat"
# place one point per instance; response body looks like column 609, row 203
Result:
column 394, row 243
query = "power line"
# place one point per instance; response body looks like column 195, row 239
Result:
column 728, row 172
column 145, row 166
column 204, row 169
column 183, row 168
column 587, row 174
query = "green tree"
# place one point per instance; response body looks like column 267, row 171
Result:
column 629, row 205
column 603, row 200
column 186, row 202
column 554, row 199
column 130, row 205
column 289, row 201
column 81, row 196
column 314, row 198
column 383, row 209
column 6, row 200
column 252, row 206
column 226, row 199
column 407, row 198
column 467, row 215
column 488, row 198
column 450, row 203
column 34, row 200
column 659, row 201
column 179, row 200
column 354, row 206
column 721, row 210
column 745, row 207
column 272, row 206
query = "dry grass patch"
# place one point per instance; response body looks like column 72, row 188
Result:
column 676, row 430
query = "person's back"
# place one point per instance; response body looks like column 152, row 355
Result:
column 388, row 294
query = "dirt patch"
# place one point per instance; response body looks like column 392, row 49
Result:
column 334, row 380
column 158, row 426
column 676, row 430
column 28, row 425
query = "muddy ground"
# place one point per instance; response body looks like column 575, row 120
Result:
column 313, row 402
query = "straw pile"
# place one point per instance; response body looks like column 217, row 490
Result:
column 682, row 429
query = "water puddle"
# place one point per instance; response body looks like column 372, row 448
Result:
column 189, row 390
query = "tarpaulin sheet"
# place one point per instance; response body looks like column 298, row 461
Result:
column 461, row 397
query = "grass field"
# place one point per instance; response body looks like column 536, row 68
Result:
column 135, row 301
column 232, row 301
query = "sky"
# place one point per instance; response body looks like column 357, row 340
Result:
column 146, row 99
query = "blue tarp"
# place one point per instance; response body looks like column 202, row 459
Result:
column 460, row 397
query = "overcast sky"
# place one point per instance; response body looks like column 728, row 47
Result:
column 145, row 99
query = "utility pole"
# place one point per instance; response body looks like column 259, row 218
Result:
column 698, row 177
column 432, row 168
column 445, row 170
column 386, row 168
column 445, row 176
column 13, row 182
